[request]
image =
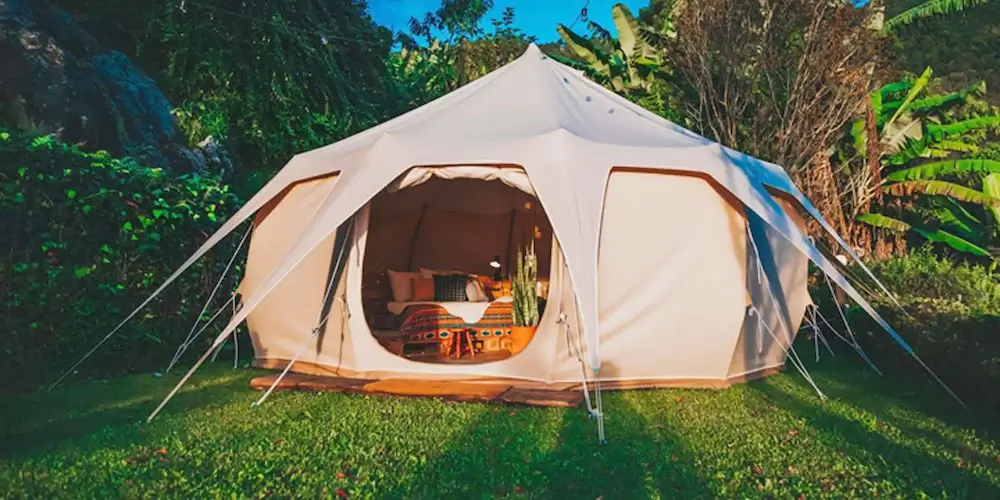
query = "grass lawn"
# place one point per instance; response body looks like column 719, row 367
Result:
column 771, row 438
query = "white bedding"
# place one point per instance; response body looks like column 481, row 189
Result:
column 470, row 312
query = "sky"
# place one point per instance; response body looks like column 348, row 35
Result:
column 534, row 17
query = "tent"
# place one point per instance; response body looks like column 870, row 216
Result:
column 670, row 259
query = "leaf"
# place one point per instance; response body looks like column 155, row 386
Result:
column 70, row 194
column 884, row 222
column 940, row 132
column 930, row 8
column 935, row 102
column 628, row 30
column 942, row 168
column 991, row 187
column 942, row 188
column 960, row 244
column 918, row 86
column 582, row 48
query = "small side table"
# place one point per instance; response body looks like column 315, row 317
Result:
column 459, row 337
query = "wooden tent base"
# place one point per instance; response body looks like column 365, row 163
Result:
column 449, row 390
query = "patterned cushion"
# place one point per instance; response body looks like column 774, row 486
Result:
column 450, row 288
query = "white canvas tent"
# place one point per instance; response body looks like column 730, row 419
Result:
column 671, row 260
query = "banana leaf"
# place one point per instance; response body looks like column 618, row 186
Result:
column 884, row 222
column 941, row 188
column 893, row 88
column 954, row 217
column 956, row 146
column 943, row 168
column 628, row 30
column 960, row 244
column 929, row 8
column 583, row 48
column 918, row 86
column 940, row 132
column 936, row 102
column 991, row 186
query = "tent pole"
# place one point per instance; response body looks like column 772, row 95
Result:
column 510, row 240
column 416, row 232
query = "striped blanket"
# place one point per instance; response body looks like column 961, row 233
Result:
column 433, row 322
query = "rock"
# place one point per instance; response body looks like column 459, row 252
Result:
column 57, row 80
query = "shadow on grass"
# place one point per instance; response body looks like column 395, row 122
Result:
column 555, row 453
column 39, row 422
column 868, row 441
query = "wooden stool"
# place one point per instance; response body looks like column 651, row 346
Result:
column 458, row 337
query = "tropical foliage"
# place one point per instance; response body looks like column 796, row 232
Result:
column 86, row 237
column 633, row 64
column 927, row 143
column 463, row 52
column 929, row 8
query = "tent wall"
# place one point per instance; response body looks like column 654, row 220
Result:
column 757, row 349
column 671, row 284
column 283, row 320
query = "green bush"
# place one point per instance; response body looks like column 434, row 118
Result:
column 952, row 321
column 86, row 238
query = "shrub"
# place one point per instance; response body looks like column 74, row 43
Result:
column 952, row 321
column 86, row 237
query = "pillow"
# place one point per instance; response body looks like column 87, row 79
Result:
column 430, row 273
column 423, row 289
column 474, row 290
column 450, row 288
column 402, row 286
column 487, row 284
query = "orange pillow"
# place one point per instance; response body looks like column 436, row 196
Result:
column 423, row 289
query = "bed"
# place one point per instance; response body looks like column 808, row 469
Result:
column 431, row 326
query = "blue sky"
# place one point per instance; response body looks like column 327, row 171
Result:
column 534, row 17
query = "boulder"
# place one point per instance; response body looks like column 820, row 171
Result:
column 57, row 80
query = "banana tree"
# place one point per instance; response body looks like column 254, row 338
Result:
column 945, row 212
column 925, row 143
column 633, row 64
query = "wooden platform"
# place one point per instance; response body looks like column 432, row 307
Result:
column 456, row 391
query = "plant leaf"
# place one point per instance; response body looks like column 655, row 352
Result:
column 918, row 86
column 960, row 244
column 942, row 188
column 942, row 168
column 884, row 222
column 929, row 8
column 940, row 132
column 991, row 187
column 628, row 30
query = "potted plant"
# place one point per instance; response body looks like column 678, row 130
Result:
column 524, row 289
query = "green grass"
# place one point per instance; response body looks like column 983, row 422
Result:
column 771, row 438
